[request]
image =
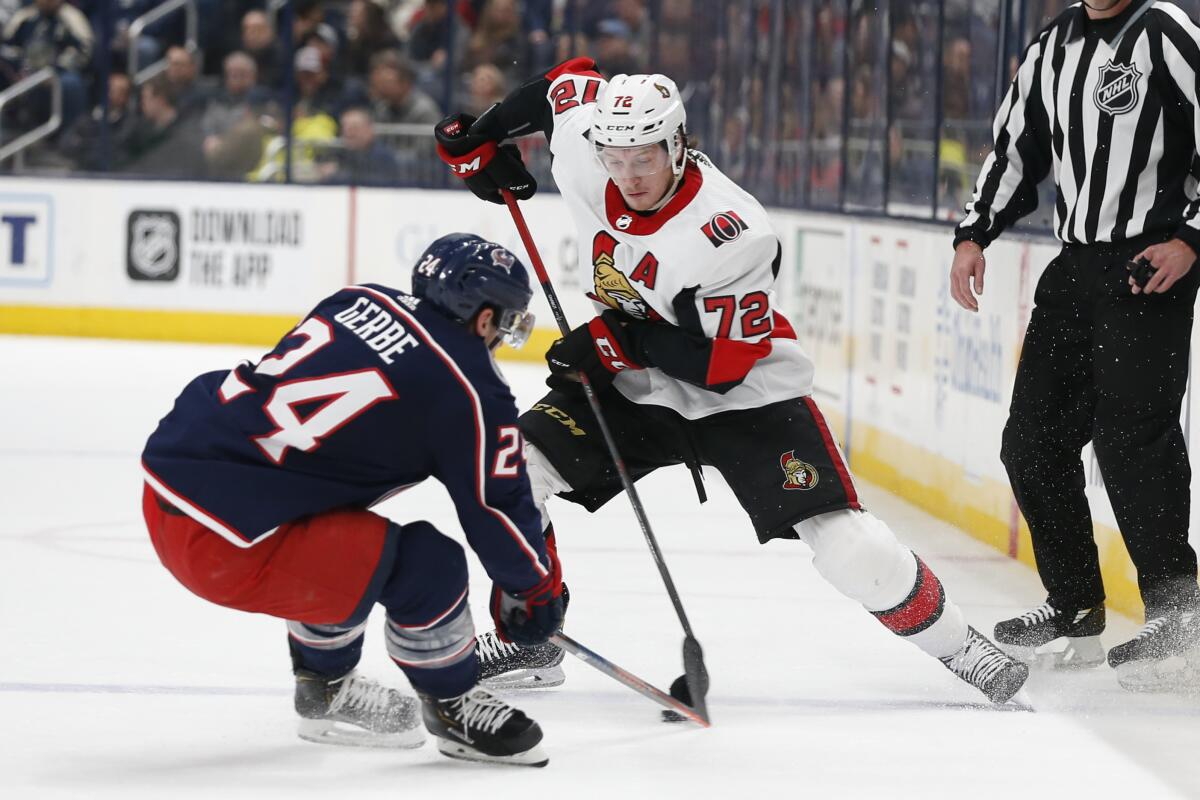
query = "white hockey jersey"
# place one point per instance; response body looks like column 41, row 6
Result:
column 706, row 262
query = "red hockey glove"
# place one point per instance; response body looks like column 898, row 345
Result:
column 484, row 166
column 532, row 616
column 600, row 349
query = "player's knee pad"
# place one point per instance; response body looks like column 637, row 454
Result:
column 860, row 557
column 544, row 480
column 429, row 629
column 429, row 572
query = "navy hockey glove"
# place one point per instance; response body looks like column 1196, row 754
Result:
column 600, row 349
column 485, row 166
column 531, row 616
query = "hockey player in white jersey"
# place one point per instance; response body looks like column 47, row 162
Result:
column 692, row 363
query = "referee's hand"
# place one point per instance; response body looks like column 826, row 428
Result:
column 968, row 267
column 1172, row 260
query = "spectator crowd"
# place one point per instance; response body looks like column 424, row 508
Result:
column 362, row 80
column 876, row 105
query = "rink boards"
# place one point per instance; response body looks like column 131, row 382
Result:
column 918, row 388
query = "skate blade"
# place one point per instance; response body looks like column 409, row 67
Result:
column 324, row 731
column 533, row 757
column 539, row 678
column 1173, row 675
column 1081, row 652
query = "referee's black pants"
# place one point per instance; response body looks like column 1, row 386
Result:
column 1101, row 364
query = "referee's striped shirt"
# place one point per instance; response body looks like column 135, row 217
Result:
column 1111, row 107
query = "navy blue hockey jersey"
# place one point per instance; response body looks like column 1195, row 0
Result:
column 371, row 393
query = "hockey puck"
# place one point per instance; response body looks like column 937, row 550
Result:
column 679, row 690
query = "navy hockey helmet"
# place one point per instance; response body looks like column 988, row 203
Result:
column 461, row 273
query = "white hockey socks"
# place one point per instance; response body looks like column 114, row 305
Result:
column 860, row 556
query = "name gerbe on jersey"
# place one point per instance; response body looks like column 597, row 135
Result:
column 704, row 263
column 373, row 392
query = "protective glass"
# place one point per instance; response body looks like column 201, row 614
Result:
column 625, row 163
column 515, row 327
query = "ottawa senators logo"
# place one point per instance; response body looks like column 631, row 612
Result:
column 800, row 474
column 722, row 227
column 612, row 287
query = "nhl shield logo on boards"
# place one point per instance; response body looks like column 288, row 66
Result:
column 1117, row 87
column 800, row 474
column 152, row 245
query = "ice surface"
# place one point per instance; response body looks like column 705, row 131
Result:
column 116, row 682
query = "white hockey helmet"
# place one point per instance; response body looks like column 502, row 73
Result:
column 637, row 110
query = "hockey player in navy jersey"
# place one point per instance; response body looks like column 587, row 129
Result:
column 259, row 481
column 694, row 363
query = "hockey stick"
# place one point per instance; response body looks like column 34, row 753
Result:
column 694, row 671
column 594, row 659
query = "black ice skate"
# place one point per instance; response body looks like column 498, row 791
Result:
column 986, row 667
column 355, row 711
column 503, row 665
column 478, row 726
column 1164, row 656
column 1022, row 636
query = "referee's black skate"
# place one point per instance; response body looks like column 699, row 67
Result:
column 1023, row 635
column 355, row 711
column 1164, row 656
column 478, row 726
column 986, row 667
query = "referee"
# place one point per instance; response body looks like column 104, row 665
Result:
column 1106, row 98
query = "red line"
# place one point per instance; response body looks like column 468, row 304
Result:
column 834, row 455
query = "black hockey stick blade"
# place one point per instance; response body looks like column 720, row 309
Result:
column 696, row 674
column 594, row 659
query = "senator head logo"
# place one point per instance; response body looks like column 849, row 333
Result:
column 1117, row 87
column 612, row 287
column 800, row 474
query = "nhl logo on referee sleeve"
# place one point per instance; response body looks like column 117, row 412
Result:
column 1117, row 87
column 722, row 227
column 800, row 474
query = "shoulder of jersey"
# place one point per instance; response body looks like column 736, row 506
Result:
column 724, row 213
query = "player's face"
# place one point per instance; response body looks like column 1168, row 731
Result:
column 642, row 174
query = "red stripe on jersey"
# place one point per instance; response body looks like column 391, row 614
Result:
column 835, row 455
column 782, row 329
column 638, row 225
column 480, row 449
column 574, row 66
column 201, row 515
column 920, row 609
column 732, row 359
